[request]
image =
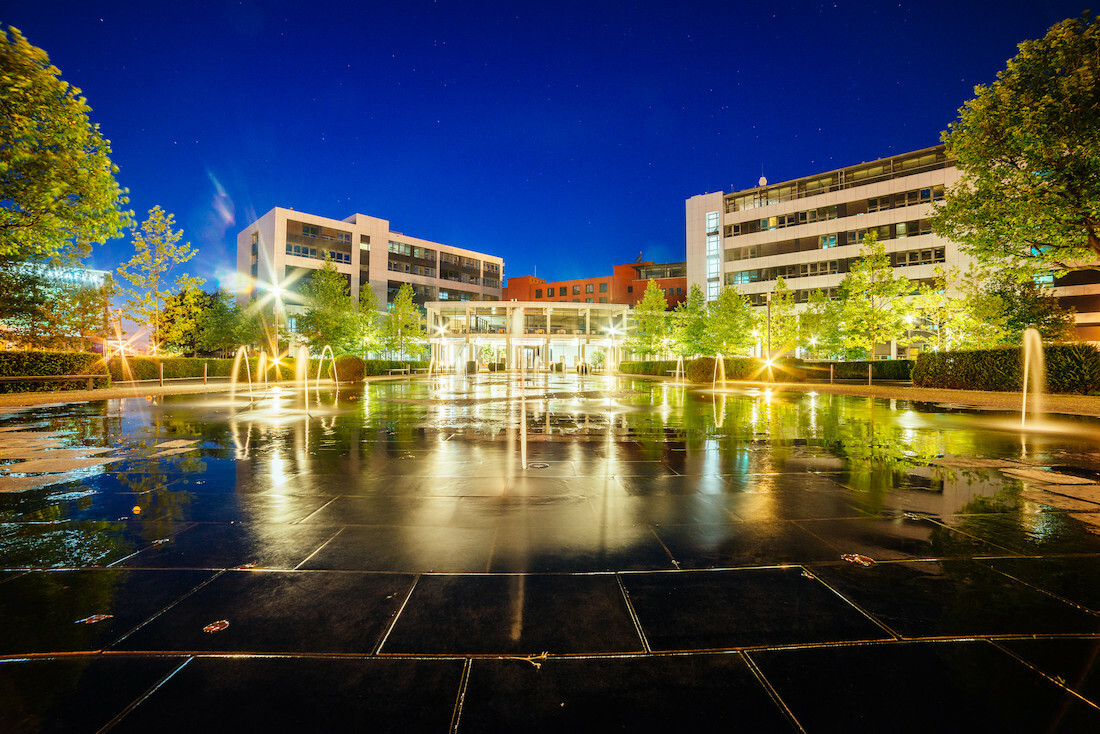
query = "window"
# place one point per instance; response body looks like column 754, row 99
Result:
column 538, row 293
column 588, row 300
column 576, row 290
column 630, row 289
column 712, row 222
column 563, row 291
column 827, row 240
column 603, row 299
column 712, row 244
column 588, row 288
column 310, row 230
column 343, row 237
column 679, row 291
column 603, row 287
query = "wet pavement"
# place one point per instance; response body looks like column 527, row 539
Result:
column 497, row 554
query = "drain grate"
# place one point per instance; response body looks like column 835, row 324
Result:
column 538, row 465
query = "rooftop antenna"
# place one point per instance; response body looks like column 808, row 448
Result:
column 763, row 181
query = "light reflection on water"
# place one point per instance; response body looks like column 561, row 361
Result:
column 457, row 437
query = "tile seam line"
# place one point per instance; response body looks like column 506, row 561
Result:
column 317, row 550
column 1040, row 589
column 875, row 620
column 633, row 614
column 1050, row 678
column 165, row 609
column 460, row 699
column 772, row 693
column 304, row 519
column 397, row 615
column 144, row 697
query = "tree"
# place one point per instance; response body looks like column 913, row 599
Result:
column 650, row 335
column 182, row 318
column 1024, row 305
column 873, row 296
column 57, row 182
column 733, row 321
column 44, row 308
column 370, row 331
column 956, row 322
column 784, row 319
column 403, row 331
column 220, row 324
column 821, row 326
column 330, row 318
column 691, row 330
column 1028, row 146
column 155, row 253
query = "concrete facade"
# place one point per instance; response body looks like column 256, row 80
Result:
column 285, row 246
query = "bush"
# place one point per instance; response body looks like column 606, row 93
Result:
column 658, row 368
column 1070, row 368
column 349, row 368
column 471, row 367
column 14, row 364
column 559, row 366
column 746, row 368
column 375, row 367
column 881, row 369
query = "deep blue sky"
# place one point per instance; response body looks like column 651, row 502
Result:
column 563, row 136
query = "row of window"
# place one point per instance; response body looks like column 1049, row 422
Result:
column 564, row 290
column 313, row 252
column 927, row 256
column 398, row 266
column 420, row 253
column 465, row 262
column 460, row 277
column 908, row 258
column 874, row 204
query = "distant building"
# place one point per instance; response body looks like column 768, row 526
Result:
column 286, row 247
column 626, row 285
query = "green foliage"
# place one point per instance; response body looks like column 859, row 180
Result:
column 375, row 367
column 881, row 369
column 691, row 329
column 471, row 367
column 330, row 318
column 820, row 326
column 651, row 332
column 659, row 368
column 784, row 319
column 220, row 323
column 350, row 368
column 1021, row 305
column 744, row 368
column 182, row 320
column 1028, row 146
column 370, row 328
column 41, row 363
column 873, row 295
column 1070, row 368
column 156, row 251
column 403, row 330
column 732, row 322
column 41, row 312
column 57, row 182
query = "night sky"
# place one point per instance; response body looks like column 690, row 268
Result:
column 562, row 136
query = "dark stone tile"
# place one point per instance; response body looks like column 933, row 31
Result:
column 953, row 597
column 176, row 504
column 406, row 549
column 302, row 694
column 681, row 509
column 1074, row 662
column 577, row 548
column 1076, row 579
column 773, row 498
column 691, row 610
column 895, row 538
column 648, row 485
column 920, row 687
column 651, row 693
column 66, row 544
column 277, row 611
column 73, row 694
column 516, row 615
column 386, row 510
column 227, row 545
column 1047, row 533
column 735, row 544
column 570, row 511
column 40, row 610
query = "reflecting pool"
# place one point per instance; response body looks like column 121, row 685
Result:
column 400, row 531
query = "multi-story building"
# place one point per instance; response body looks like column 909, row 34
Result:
column 810, row 230
column 625, row 285
column 284, row 247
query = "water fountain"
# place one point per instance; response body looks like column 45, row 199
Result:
column 1035, row 373
column 719, row 371
column 241, row 354
column 679, row 374
column 320, row 363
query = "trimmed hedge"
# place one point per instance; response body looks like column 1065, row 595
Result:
column 349, row 368
column 145, row 368
column 375, row 367
column 881, row 369
column 14, row 364
column 1070, row 368
column 702, row 369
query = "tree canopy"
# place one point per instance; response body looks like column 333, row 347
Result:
column 1028, row 147
column 403, row 330
column 650, row 334
column 873, row 296
column 57, row 183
